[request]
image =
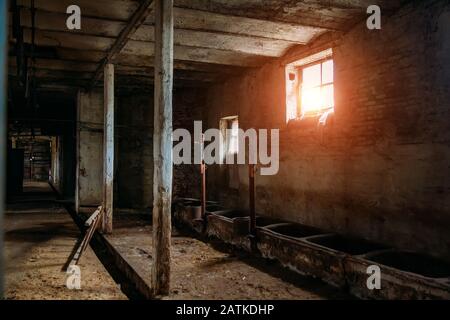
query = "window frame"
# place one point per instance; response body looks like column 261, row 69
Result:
column 299, row 71
column 225, row 124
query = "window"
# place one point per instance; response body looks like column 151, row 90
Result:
column 310, row 86
column 229, row 127
column 233, row 146
column 230, row 131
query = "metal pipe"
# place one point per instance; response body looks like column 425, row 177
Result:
column 251, row 189
column 203, row 190
column 3, row 133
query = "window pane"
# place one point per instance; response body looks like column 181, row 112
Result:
column 327, row 72
column 233, row 139
column 311, row 76
column 311, row 100
column 328, row 96
column 291, row 112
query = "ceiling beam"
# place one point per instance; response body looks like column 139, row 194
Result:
column 202, row 20
column 102, row 44
column 303, row 12
column 121, row 68
column 61, row 55
column 334, row 15
column 184, row 37
column 186, row 18
column 136, row 79
column 136, row 20
column 360, row 4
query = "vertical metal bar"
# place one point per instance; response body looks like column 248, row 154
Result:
column 3, row 108
column 203, row 174
column 251, row 189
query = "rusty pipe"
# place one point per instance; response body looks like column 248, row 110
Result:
column 251, row 189
column 203, row 191
column 203, row 175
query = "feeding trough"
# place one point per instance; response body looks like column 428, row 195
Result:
column 404, row 275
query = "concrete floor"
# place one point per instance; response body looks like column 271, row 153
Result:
column 39, row 236
column 211, row 270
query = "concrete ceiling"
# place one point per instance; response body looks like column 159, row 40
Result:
column 213, row 38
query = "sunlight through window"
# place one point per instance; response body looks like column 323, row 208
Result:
column 317, row 88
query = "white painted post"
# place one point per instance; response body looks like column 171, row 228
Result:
column 108, row 149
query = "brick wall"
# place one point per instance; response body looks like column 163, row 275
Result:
column 134, row 154
column 381, row 169
column 187, row 107
column 134, row 151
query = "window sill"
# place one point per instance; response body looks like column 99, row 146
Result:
column 306, row 122
column 311, row 122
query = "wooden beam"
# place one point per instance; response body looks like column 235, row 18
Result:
column 260, row 25
column 359, row 4
column 80, row 246
column 81, row 42
column 110, row 9
column 203, row 20
column 89, row 59
column 137, row 19
column 162, row 146
column 122, row 83
column 214, row 39
column 108, row 149
column 303, row 12
column 122, row 75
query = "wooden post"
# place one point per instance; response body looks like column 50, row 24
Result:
column 108, row 149
column 162, row 146
column 3, row 134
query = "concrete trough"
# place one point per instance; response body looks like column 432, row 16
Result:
column 195, row 219
column 335, row 249
column 310, row 251
column 188, row 211
column 285, row 243
column 404, row 275
column 349, row 246
column 233, row 226
column 179, row 206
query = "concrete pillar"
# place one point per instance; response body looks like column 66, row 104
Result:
column 108, row 149
column 162, row 146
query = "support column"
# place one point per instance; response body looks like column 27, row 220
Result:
column 3, row 133
column 108, row 149
column 162, row 146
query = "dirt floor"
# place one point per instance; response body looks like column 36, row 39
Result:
column 211, row 270
column 39, row 236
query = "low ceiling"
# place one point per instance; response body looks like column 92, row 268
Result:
column 213, row 38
